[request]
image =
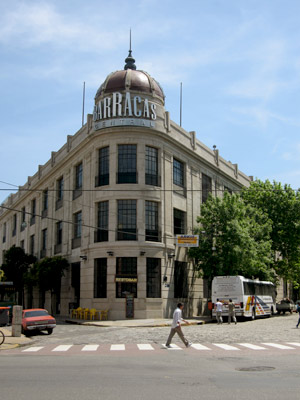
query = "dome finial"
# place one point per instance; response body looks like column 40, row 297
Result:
column 130, row 61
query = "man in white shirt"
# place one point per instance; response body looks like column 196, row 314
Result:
column 219, row 309
column 176, row 326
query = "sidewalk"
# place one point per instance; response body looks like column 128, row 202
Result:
column 137, row 323
column 12, row 342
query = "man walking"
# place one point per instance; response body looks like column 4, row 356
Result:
column 176, row 327
column 219, row 309
column 231, row 311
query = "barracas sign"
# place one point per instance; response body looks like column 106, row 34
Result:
column 124, row 110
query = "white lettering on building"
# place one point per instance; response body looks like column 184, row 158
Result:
column 120, row 106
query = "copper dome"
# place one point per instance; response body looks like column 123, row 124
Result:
column 130, row 79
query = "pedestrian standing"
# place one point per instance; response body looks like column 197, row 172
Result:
column 219, row 309
column 176, row 327
column 231, row 311
column 298, row 311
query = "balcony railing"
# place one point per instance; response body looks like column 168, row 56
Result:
column 101, row 235
column 127, row 177
column 102, row 180
column 76, row 242
column 126, row 234
column 77, row 193
column 57, row 248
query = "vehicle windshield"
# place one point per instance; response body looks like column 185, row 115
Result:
column 37, row 313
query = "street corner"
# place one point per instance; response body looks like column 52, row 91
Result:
column 9, row 346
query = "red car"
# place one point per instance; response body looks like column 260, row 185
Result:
column 37, row 319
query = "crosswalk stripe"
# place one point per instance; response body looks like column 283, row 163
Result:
column 295, row 344
column 279, row 346
column 90, row 347
column 173, row 347
column 117, row 347
column 252, row 346
column 225, row 346
column 65, row 347
column 33, row 349
column 145, row 347
column 198, row 346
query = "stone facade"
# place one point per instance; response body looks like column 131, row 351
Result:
column 62, row 214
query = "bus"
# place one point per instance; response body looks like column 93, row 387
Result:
column 252, row 298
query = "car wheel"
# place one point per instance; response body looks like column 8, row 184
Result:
column 50, row 330
column 253, row 314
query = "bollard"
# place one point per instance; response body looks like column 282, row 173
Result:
column 17, row 321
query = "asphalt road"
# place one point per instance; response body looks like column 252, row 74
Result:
column 170, row 375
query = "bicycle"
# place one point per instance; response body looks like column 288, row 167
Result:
column 2, row 337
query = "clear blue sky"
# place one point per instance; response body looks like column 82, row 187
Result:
column 238, row 60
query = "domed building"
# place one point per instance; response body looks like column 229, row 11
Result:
column 113, row 201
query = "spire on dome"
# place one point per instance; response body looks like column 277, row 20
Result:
column 130, row 61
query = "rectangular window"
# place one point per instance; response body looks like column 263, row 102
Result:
column 45, row 199
column 59, row 232
column 126, row 220
column 78, row 176
column 23, row 219
column 14, row 225
column 44, row 239
column 45, row 203
column 78, row 181
column 100, row 278
column 151, row 216
column 126, row 269
column 32, row 246
column 4, row 233
column 179, row 222
column 127, row 172
column 33, row 211
column 77, row 224
column 181, row 288
column 59, row 193
column 22, row 244
column 151, row 166
column 44, row 243
column 153, row 277
column 178, row 173
column 103, row 172
column 58, row 239
column 77, row 219
column 206, row 187
column 101, row 235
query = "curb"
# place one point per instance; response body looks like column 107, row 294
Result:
column 90, row 323
column 7, row 346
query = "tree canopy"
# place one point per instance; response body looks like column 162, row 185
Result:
column 281, row 204
column 234, row 239
column 16, row 268
column 48, row 272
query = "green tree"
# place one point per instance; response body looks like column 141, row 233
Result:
column 234, row 239
column 16, row 269
column 47, row 274
column 282, row 206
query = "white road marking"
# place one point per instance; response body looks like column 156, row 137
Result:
column 33, row 349
column 117, row 347
column 295, row 344
column 198, row 346
column 279, row 346
column 63, row 347
column 145, row 347
column 225, row 346
column 90, row 347
column 252, row 346
column 173, row 347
